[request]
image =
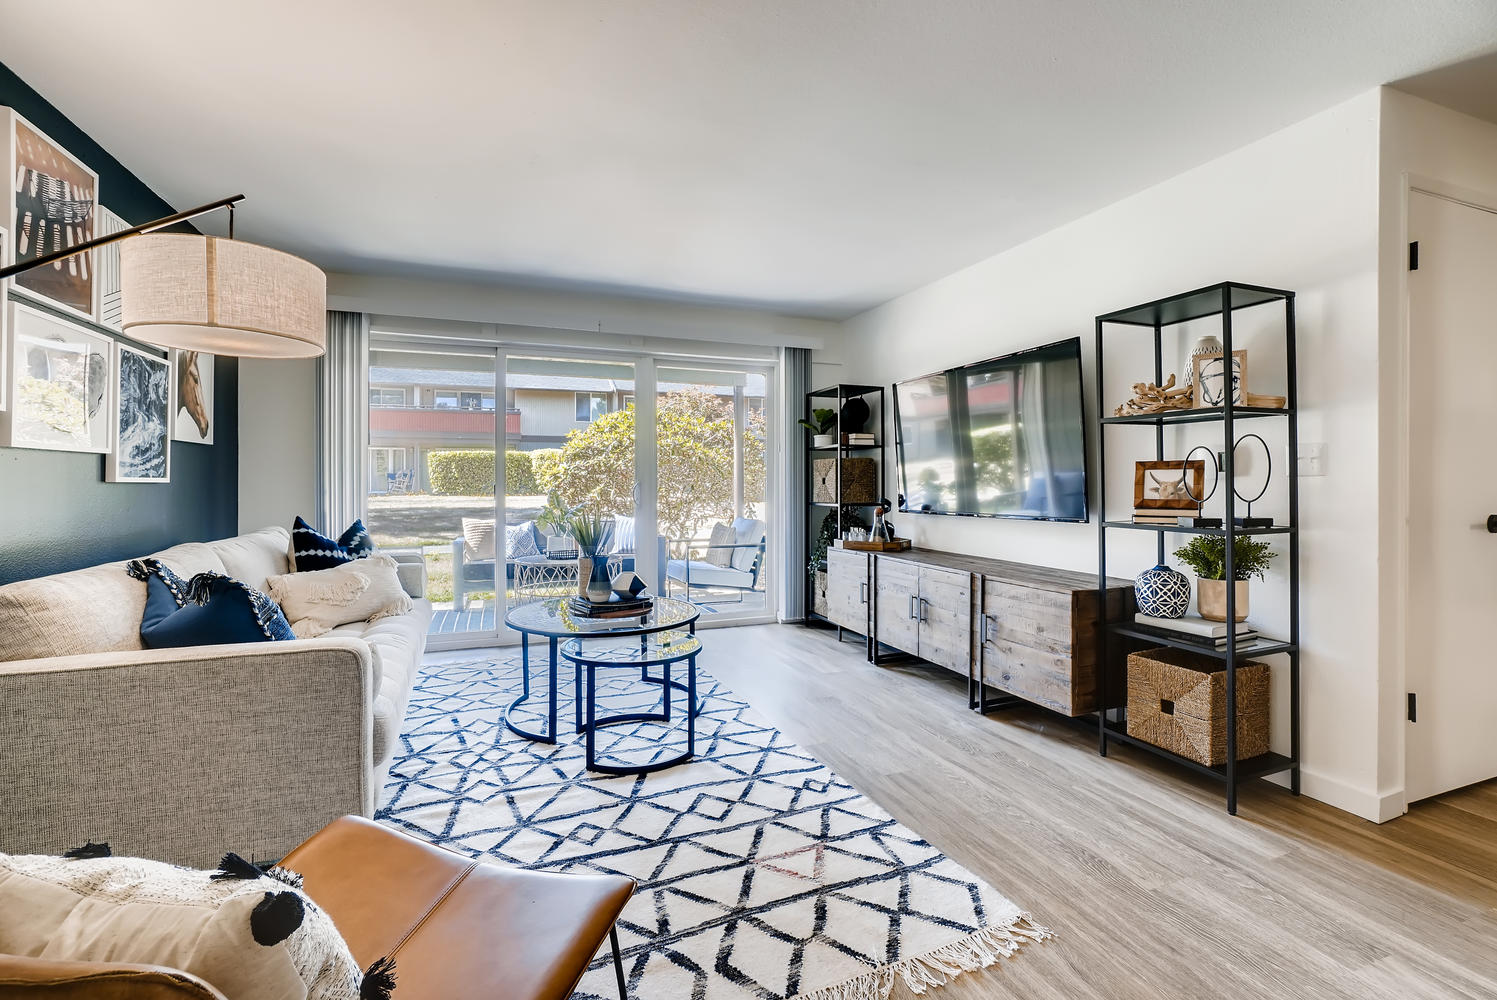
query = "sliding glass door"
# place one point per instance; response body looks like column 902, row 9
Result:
column 433, row 428
column 713, row 465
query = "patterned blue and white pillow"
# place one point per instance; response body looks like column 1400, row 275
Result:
column 519, row 540
column 311, row 549
column 209, row 610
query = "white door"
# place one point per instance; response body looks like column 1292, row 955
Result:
column 1451, row 661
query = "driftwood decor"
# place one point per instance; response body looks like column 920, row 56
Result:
column 1151, row 398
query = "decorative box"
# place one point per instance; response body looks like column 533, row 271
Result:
column 859, row 480
column 1178, row 700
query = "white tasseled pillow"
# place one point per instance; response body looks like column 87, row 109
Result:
column 316, row 602
column 258, row 938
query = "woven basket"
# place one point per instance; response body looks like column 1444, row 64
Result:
column 1178, row 700
column 818, row 594
column 859, row 480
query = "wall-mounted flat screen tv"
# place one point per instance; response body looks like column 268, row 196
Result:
column 1000, row 438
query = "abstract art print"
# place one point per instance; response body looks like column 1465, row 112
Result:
column 107, row 304
column 192, row 419
column 52, row 201
column 142, row 430
column 59, row 384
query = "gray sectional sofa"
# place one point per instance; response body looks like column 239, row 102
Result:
column 184, row 754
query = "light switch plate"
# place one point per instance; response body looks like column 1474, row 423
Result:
column 1312, row 458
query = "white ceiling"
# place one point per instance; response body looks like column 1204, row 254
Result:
column 815, row 157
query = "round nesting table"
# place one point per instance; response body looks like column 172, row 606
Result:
column 659, row 650
column 553, row 619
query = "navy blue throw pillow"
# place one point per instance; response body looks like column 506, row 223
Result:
column 209, row 610
column 311, row 549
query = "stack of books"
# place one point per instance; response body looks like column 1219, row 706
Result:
column 1197, row 629
column 852, row 440
column 1175, row 518
column 614, row 607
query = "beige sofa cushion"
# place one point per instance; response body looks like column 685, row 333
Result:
column 317, row 601
column 397, row 644
column 94, row 610
column 254, row 557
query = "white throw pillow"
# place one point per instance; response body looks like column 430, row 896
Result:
column 623, row 534
column 478, row 539
column 359, row 591
column 717, row 553
column 747, row 531
column 252, row 939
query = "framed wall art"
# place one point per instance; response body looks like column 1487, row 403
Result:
column 142, row 451
column 1162, row 485
column 107, row 298
column 52, row 198
column 192, row 405
column 59, row 384
column 1210, row 379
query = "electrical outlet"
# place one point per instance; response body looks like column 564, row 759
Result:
column 1312, row 459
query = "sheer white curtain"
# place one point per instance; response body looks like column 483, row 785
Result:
column 343, row 421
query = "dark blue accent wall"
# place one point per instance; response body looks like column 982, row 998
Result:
column 56, row 511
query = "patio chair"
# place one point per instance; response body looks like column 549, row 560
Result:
column 401, row 482
column 742, row 575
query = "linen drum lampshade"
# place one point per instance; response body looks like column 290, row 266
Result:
column 221, row 296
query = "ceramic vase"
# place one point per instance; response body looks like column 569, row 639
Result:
column 855, row 414
column 1162, row 592
column 1211, row 599
column 593, row 582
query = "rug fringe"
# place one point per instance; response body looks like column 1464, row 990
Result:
column 977, row 950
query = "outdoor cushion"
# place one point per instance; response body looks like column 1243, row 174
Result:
column 478, row 538
column 717, row 553
column 748, row 531
column 623, row 534
column 705, row 574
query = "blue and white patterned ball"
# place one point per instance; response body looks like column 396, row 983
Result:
column 1162, row 592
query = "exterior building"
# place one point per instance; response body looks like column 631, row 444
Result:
column 414, row 411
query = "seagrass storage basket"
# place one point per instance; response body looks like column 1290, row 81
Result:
column 859, row 480
column 818, row 593
column 1178, row 700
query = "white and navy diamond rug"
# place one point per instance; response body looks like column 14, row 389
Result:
column 762, row 874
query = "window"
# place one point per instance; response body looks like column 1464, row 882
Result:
column 386, row 397
column 628, row 400
column 591, row 405
column 470, row 400
column 445, row 399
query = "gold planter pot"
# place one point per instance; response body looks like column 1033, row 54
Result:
column 1211, row 599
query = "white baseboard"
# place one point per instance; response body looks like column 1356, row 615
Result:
column 1377, row 807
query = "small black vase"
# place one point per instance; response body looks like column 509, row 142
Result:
column 855, row 414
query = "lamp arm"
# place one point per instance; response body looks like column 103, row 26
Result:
column 101, row 241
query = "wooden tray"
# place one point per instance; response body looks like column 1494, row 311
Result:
column 898, row 545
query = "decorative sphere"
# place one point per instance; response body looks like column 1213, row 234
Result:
column 1162, row 592
column 855, row 414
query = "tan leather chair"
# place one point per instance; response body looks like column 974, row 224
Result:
column 455, row 927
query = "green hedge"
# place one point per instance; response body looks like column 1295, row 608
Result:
column 545, row 466
column 471, row 473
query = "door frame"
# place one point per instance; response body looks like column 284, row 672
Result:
column 1394, row 606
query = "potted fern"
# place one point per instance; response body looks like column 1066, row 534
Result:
column 1207, row 555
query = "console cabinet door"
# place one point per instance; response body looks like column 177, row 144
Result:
column 896, row 594
column 945, row 611
column 847, row 589
column 1026, row 644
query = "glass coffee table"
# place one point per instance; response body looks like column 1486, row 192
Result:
column 553, row 619
column 659, row 650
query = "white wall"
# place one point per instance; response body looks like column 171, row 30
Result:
column 277, row 442
column 1432, row 148
column 1296, row 210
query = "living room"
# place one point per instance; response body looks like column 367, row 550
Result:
column 375, row 384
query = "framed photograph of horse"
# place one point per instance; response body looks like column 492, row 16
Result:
column 52, row 199
column 192, row 406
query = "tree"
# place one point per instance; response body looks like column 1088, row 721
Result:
column 694, row 440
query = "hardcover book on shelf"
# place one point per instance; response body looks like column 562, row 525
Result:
column 1195, row 626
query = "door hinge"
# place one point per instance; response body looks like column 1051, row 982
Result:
column 1413, row 707
column 1414, row 256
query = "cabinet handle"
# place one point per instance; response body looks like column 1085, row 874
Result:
column 986, row 620
column 923, row 605
column 913, row 613
column 863, row 592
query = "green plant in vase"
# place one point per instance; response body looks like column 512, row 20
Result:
column 822, row 425
column 1207, row 555
column 592, row 532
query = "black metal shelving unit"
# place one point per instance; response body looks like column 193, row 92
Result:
column 1202, row 303
column 841, row 394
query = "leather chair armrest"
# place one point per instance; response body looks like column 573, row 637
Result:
column 456, row 926
column 51, row 979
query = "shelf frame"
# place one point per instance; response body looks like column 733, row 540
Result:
column 1220, row 300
